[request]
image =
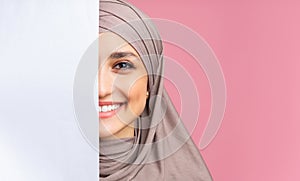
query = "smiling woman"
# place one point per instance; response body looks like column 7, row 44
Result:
column 141, row 134
column 122, row 86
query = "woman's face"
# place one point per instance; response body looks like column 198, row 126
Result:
column 122, row 86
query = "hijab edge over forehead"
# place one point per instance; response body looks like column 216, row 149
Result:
column 135, row 28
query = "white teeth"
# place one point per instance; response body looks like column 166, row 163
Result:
column 107, row 108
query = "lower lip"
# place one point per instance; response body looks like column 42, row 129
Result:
column 108, row 114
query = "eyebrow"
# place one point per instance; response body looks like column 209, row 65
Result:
column 118, row 55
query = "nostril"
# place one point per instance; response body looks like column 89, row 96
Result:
column 104, row 83
column 104, row 88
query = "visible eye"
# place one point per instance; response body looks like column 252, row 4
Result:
column 123, row 66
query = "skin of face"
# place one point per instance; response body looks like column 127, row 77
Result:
column 122, row 81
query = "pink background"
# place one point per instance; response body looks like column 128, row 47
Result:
column 257, row 44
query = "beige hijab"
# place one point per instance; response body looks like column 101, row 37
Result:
column 161, row 148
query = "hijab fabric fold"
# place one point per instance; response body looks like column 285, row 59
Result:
column 161, row 148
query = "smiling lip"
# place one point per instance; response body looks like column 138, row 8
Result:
column 111, row 108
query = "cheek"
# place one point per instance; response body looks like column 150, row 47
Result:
column 137, row 96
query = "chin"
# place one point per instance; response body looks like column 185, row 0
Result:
column 104, row 133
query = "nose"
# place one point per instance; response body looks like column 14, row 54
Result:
column 105, row 82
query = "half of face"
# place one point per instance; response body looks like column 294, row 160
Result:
column 122, row 86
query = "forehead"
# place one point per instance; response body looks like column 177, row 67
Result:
column 110, row 42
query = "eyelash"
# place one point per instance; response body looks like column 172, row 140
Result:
column 124, row 63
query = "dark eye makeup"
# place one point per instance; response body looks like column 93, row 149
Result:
column 123, row 66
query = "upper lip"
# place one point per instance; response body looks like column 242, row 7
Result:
column 102, row 103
